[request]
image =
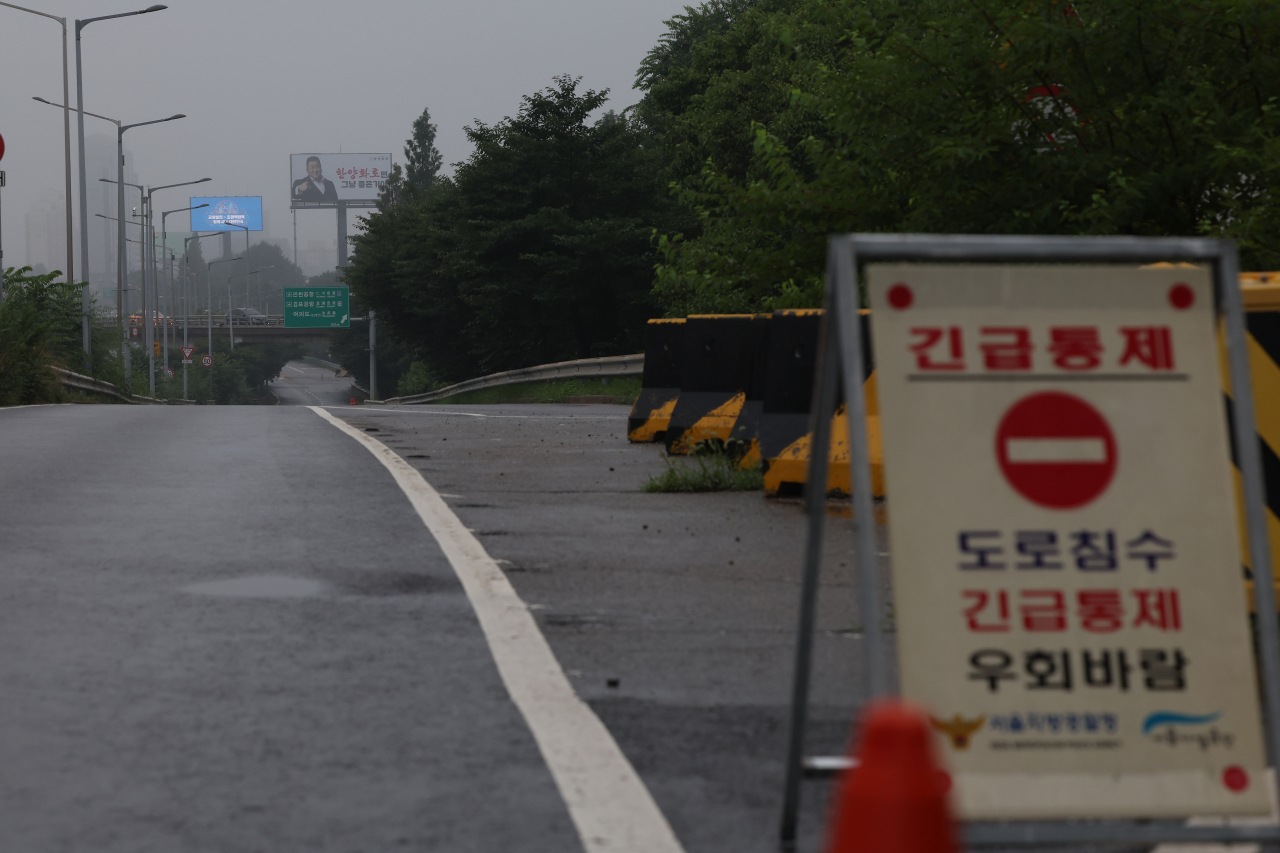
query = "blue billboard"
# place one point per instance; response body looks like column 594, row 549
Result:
column 226, row 212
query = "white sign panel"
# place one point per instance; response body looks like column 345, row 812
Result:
column 330, row 178
column 1067, row 571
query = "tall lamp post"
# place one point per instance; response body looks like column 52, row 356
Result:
column 65, row 106
column 155, row 283
column 231, row 320
column 255, row 272
column 186, row 303
column 209, row 282
column 122, row 260
column 164, row 247
column 119, row 180
column 81, row 23
column 66, row 134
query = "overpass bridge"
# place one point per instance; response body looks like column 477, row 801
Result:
column 264, row 328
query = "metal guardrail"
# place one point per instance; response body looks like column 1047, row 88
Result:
column 89, row 385
column 612, row 365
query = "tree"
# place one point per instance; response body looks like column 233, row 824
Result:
column 40, row 327
column 422, row 160
column 537, row 250
column 1095, row 117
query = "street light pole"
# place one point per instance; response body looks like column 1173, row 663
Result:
column 246, row 284
column 155, row 283
column 65, row 106
column 231, row 323
column 122, row 260
column 164, row 247
column 66, row 135
column 119, row 181
column 84, row 198
column 186, row 302
column 209, row 282
column 373, row 355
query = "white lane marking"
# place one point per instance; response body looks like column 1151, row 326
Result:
column 609, row 804
column 33, row 406
column 1061, row 450
column 295, row 370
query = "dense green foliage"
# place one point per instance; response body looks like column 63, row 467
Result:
column 537, row 249
column 40, row 328
column 1098, row 117
column 766, row 125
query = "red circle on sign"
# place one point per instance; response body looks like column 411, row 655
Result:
column 1, row 147
column 206, row 360
column 1235, row 778
column 1181, row 296
column 900, row 297
column 1056, row 450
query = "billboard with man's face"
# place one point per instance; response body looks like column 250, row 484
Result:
column 225, row 213
column 326, row 179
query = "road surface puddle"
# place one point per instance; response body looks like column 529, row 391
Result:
column 260, row 586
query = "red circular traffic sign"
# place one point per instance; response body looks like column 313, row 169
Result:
column 1056, row 450
column 1, row 147
column 206, row 360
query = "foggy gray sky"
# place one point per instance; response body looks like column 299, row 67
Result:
column 259, row 80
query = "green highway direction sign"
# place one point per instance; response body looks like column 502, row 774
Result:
column 317, row 308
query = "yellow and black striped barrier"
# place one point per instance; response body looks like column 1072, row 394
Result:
column 721, row 362
column 660, row 385
column 1261, row 292
column 784, row 429
column 747, row 380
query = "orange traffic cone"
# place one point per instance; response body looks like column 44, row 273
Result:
column 895, row 799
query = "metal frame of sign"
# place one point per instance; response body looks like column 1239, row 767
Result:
column 840, row 359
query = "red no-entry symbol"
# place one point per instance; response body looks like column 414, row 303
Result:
column 1056, row 450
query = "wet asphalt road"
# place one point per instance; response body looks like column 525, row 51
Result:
column 365, row 713
column 303, row 384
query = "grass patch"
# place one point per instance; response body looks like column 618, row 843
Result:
column 707, row 472
column 624, row 389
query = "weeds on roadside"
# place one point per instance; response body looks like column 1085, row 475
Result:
column 705, row 472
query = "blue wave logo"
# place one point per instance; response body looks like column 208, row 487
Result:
column 1168, row 718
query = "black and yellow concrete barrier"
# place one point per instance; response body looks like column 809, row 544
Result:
column 784, row 426
column 721, row 354
column 1261, row 293
column 660, row 385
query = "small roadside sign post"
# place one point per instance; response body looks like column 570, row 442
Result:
column 186, row 354
column 317, row 308
column 1065, row 550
